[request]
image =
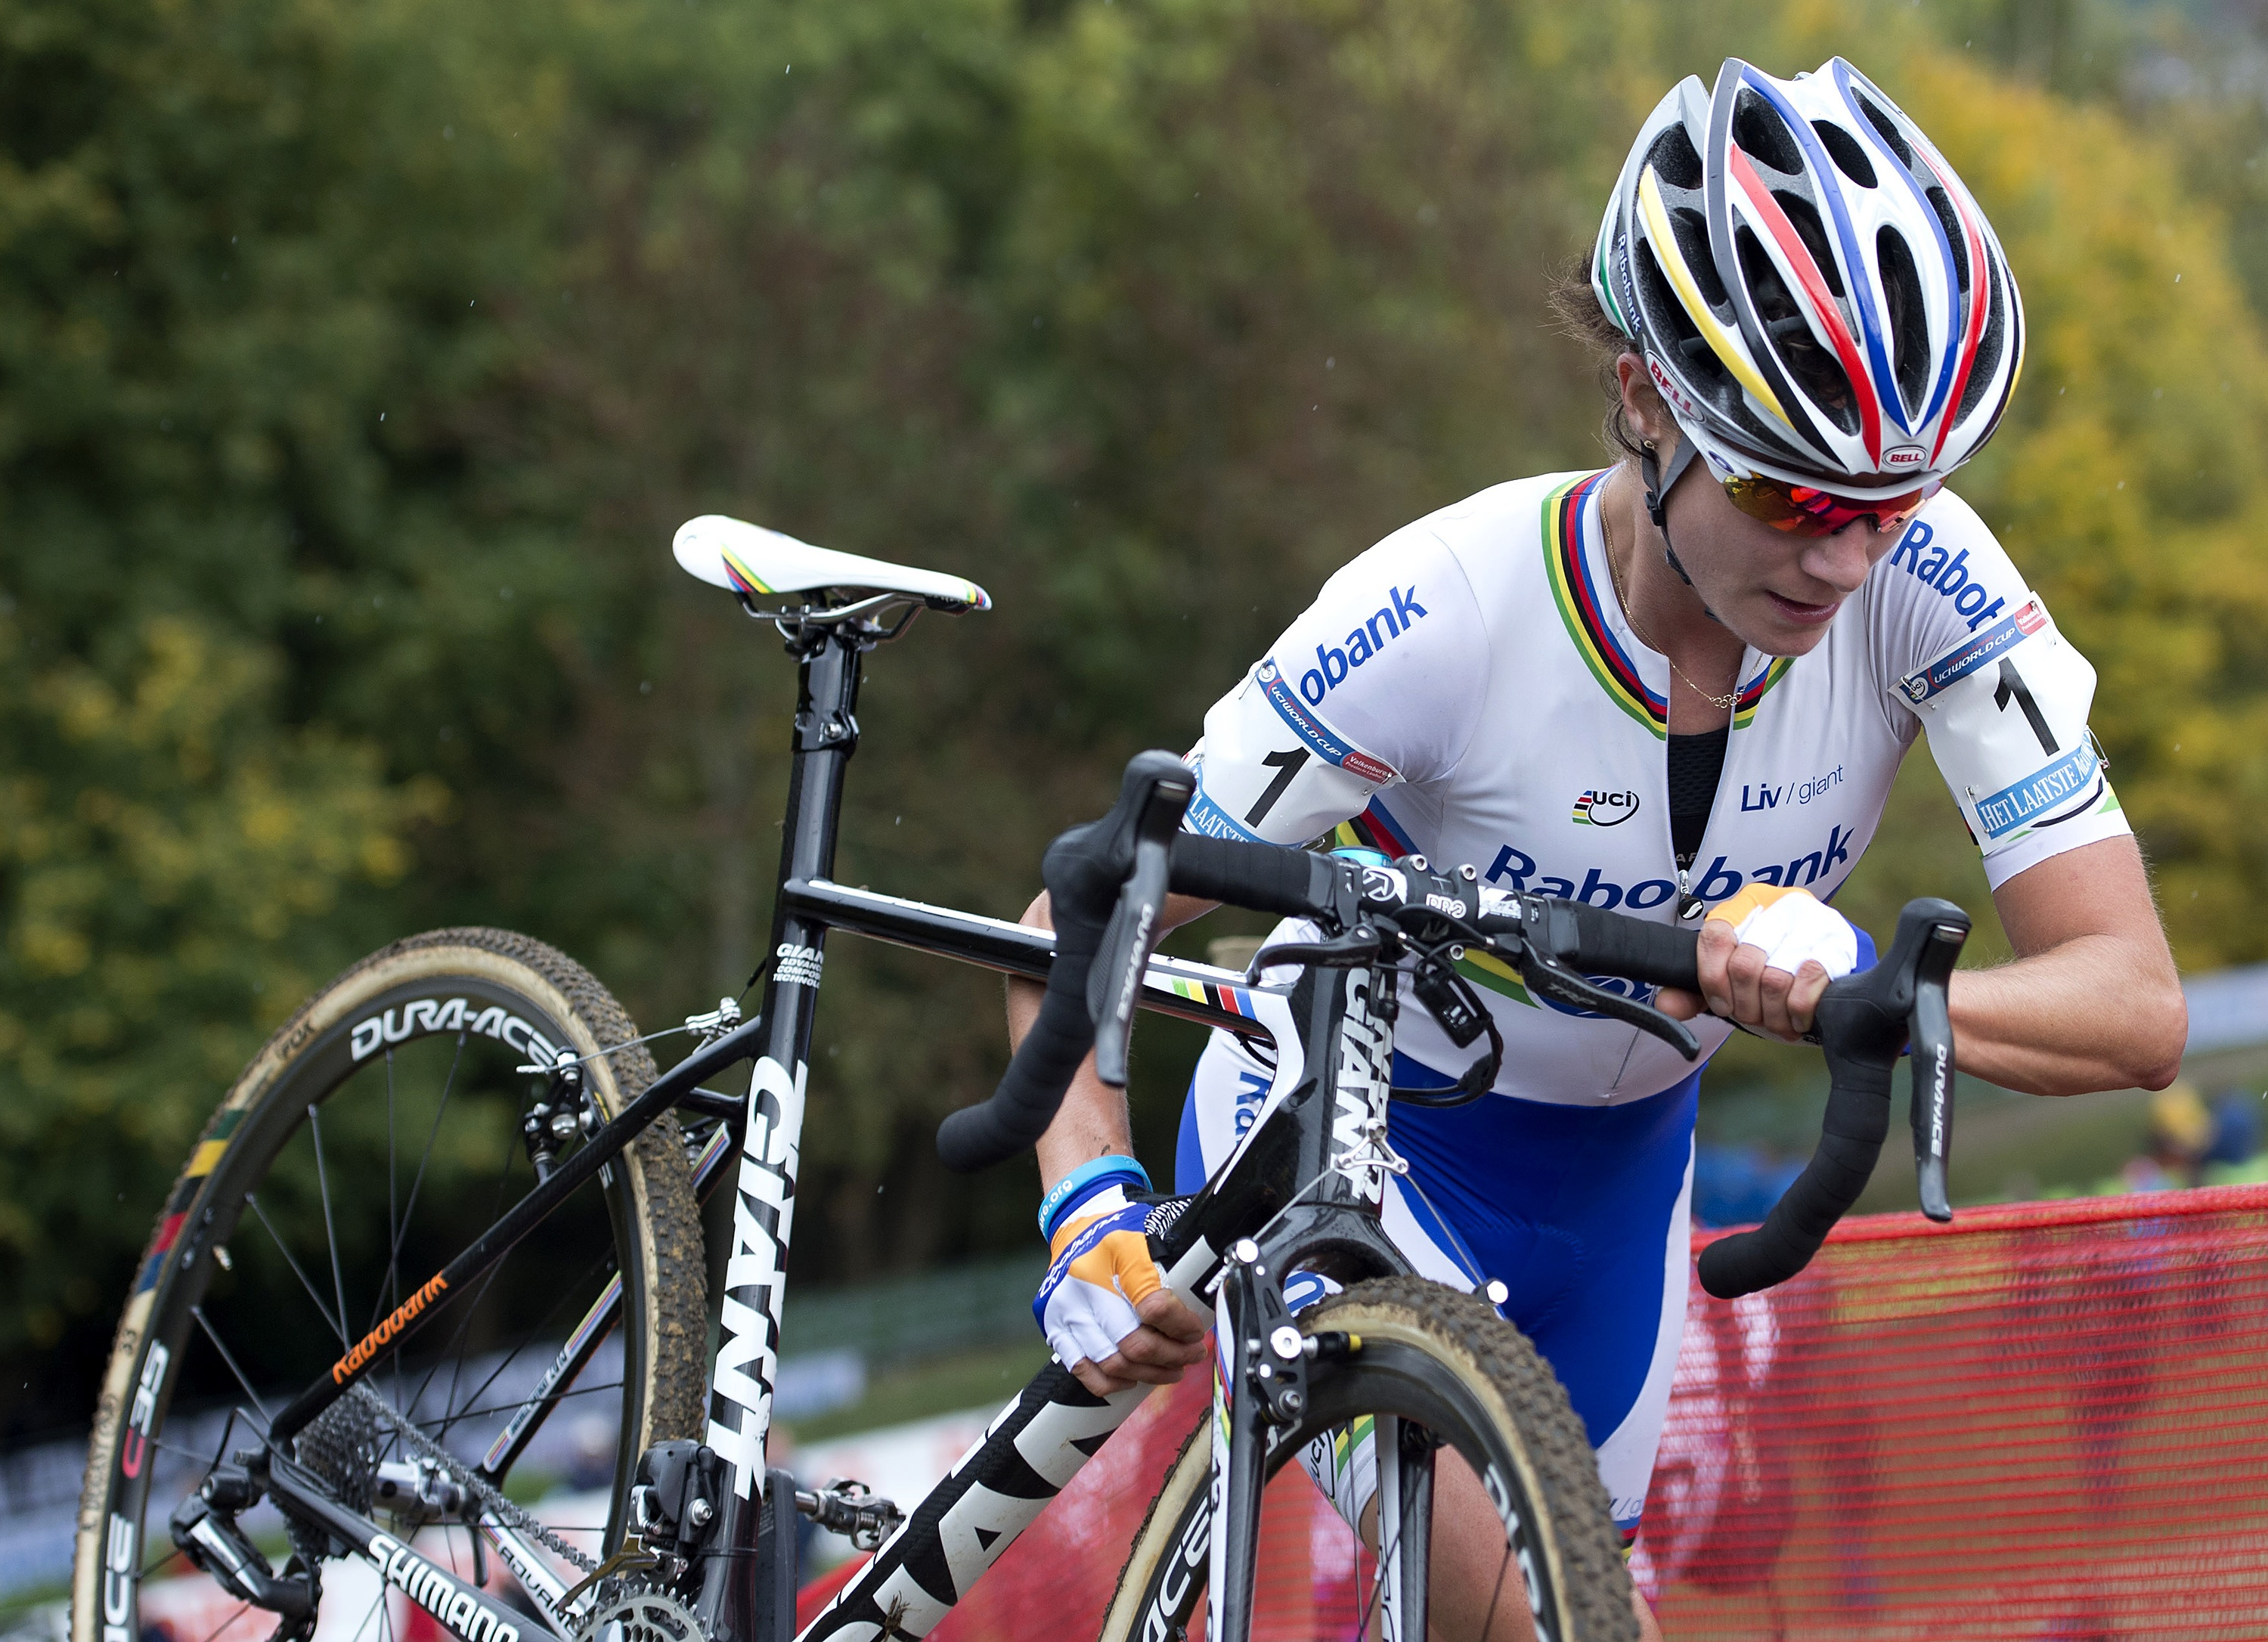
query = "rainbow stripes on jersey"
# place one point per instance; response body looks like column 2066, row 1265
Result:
column 1581, row 596
column 1373, row 830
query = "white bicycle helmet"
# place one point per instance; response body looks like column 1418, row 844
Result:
column 1814, row 292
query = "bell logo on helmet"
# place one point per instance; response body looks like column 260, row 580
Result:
column 1670, row 390
column 1899, row 457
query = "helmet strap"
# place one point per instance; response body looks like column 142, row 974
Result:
column 1658, row 487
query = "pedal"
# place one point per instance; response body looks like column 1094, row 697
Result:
column 853, row 1509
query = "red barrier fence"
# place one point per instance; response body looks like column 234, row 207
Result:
column 2047, row 1421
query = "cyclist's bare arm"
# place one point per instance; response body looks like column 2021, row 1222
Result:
column 1092, row 1123
column 2092, row 1001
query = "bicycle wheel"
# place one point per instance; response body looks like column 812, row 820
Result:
column 369, row 1141
column 1436, row 1372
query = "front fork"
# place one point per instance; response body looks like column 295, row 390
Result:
column 1259, row 1389
column 1261, row 1384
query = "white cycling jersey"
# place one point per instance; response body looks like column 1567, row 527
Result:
column 1468, row 690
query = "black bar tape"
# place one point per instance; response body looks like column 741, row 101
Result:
column 1025, row 1104
column 1082, row 882
column 1263, row 877
column 1610, row 943
column 1851, row 1139
column 1084, row 869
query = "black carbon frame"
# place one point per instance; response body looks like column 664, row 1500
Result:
column 733, row 1603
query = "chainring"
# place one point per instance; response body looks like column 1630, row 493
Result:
column 639, row 1612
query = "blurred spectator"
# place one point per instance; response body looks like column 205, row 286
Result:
column 2180, row 1134
column 2192, row 1144
column 1737, row 1185
column 2235, row 1127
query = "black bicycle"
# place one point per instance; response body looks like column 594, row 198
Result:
column 460, row 1154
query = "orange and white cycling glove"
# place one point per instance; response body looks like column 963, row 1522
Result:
column 1794, row 927
column 1101, row 1268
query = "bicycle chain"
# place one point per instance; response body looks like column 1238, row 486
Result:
column 491, row 1498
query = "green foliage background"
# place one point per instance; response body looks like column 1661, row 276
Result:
column 358, row 361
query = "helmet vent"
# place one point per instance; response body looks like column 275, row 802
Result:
column 1815, row 369
column 1988, row 346
column 1888, row 128
column 1909, row 318
column 1675, row 160
column 1667, row 318
column 1805, row 217
column 1844, row 149
column 1954, row 237
column 1693, row 245
column 1764, row 136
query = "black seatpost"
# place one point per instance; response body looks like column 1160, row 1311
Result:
column 740, row 1393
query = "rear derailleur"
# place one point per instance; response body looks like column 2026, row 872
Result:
column 205, row 1530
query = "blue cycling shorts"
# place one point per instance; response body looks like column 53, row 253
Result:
column 1581, row 1211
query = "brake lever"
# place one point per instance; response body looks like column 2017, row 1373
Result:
column 1929, row 1035
column 1113, row 984
column 1356, row 949
column 1545, row 974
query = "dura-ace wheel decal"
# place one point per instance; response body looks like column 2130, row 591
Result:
column 477, row 986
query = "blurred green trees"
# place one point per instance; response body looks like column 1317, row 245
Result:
column 356, row 364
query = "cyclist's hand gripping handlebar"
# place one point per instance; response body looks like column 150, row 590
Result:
column 1100, row 953
column 1862, row 1021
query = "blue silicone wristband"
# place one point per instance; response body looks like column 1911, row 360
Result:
column 1073, row 1189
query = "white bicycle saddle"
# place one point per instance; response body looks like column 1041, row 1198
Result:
column 758, row 563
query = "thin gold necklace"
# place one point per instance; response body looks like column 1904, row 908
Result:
column 1722, row 704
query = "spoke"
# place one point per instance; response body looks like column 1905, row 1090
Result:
column 1386, row 1554
column 372, row 1614
column 241, row 1609
column 229, row 1357
column 330, row 1229
column 417, row 1181
column 453, row 1353
column 602, row 1264
column 305, row 1282
column 440, row 1427
column 1496, row 1596
column 392, row 1289
column 464, row 1319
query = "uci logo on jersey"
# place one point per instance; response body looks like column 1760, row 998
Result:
column 1601, row 806
column 1334, row 664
